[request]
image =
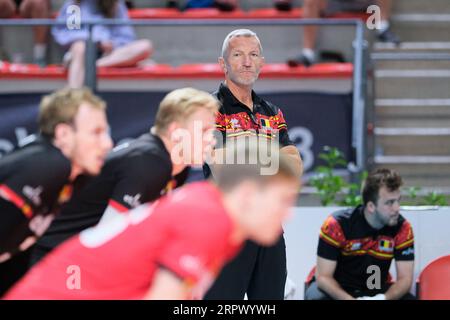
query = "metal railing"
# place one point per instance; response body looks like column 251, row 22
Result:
column 359, row 57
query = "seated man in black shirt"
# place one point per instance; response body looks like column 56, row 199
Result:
column 142, row 170
column 356, row 247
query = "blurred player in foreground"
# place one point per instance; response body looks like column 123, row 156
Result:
column 174, row 248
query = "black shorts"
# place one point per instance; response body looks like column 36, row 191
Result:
column 258, row 271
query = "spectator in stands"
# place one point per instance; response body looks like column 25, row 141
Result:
column 356, row 247
column 31, row 9
column 318, row 8
column 117, row 45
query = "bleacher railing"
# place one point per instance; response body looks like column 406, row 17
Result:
column 359, row 58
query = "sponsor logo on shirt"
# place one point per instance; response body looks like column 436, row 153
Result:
column 34, row 194
column 408, row 251
column 132, row 201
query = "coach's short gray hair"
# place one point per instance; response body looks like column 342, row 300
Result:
column 238, row 33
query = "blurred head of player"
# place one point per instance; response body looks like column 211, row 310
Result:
column 75, row 121
column 185, row 121
column 381, row 197
column 241, row 58
column 258, row 200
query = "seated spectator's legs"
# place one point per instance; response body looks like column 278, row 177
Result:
column 385, row 8
column 76, row 65
column 311, row 10
column 128, row 55
column 7, row 8
column 37, row 9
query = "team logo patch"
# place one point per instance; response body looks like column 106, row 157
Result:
column 235, row 124
column 353, row 245
column 132, row 201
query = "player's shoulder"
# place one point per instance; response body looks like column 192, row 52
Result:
column 403, row 225
column 344, row 216
column 145, row 150
column 274, row 109
column 37, row 156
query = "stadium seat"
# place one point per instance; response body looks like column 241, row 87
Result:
column 154, row 13
column 434, row 280
column 212, row 13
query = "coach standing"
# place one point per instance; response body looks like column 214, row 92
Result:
column 258, row 271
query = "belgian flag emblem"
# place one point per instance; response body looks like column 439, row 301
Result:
column 265, row 123
column 386, row 245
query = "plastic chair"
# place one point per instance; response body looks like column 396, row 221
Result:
column 434, row 280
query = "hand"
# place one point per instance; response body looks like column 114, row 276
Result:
column 379, row 296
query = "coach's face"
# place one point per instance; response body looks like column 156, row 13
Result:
column 90, row 140
column 243, row 61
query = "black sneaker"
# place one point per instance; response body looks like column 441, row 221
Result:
column 300, row 60
column 389, row 36
column 283, row 5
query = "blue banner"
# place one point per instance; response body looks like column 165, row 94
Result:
column 314, row 119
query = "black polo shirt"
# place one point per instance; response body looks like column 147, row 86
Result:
column 34, row 182
column 347, row 237
column 134, row 173
column 236, row 119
